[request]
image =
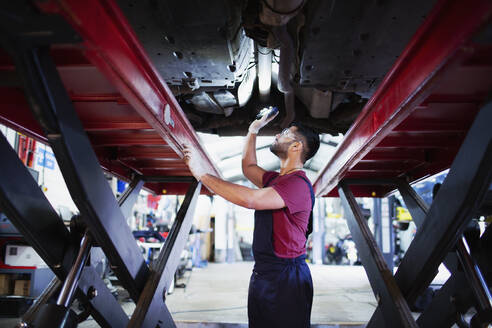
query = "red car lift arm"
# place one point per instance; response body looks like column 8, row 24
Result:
column 418, row 123
column 386, row 140
column 112, row 46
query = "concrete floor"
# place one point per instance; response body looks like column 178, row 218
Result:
column 216, row 296
column 218, row 293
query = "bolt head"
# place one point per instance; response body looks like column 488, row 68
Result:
column 92, row 293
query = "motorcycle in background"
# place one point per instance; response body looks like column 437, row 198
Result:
column 343, row 252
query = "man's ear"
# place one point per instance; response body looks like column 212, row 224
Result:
column 296, row 146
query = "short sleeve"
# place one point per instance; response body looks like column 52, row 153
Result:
column 268, row 176
column 295, row 193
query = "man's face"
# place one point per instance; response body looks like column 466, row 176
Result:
column 283, row 140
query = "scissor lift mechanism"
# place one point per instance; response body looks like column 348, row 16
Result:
column 90, row 92
column 433, row 111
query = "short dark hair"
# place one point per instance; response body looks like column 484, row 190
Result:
column 311, row 139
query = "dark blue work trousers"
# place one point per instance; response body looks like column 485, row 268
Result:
column 280, row 291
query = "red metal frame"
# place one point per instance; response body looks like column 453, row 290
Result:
column 131, row 117
column 424, row 106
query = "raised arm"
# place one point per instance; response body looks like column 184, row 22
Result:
column 251, row 170
column 250, row 167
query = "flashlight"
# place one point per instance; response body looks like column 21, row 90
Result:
column 270, row 111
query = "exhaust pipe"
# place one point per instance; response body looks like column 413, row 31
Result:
column 287, row 57
column 277, row 13
column 264, row 72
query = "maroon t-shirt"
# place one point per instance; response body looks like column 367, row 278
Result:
column 290, row 223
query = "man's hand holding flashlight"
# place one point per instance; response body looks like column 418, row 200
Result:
column 256, row 125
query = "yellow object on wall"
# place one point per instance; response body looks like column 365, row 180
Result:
column 402, row 214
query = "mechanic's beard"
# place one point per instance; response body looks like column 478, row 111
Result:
column 279, row 150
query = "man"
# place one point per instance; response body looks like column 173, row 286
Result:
column 280, row 290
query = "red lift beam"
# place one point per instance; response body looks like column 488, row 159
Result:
column 413, row 125
column 131, row 117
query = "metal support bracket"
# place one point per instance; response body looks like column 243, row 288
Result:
column 388, row 295
column 459, row 197
column 441, row 226
column 48, row 293
column 68, row 290
column 129, row 196
column 457, row 286
column 151, row 310
column 26, row 206
column 442, row 303
column 88, row 187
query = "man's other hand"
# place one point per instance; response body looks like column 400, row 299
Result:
column 192, row 159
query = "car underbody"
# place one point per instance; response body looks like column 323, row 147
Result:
column 323, row 59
